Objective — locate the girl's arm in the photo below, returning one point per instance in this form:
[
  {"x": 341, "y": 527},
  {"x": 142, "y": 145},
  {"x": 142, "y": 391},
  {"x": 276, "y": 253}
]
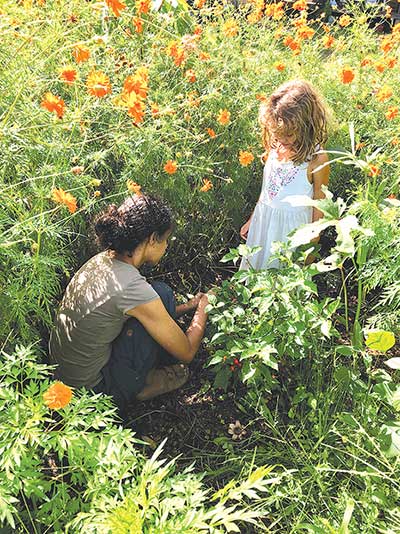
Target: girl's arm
[{"x": 320, "y": 177}]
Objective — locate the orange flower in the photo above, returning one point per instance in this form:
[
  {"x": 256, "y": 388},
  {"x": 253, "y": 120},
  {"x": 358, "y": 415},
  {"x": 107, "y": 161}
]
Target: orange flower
[
  {"x": 328, "y": 41},
  {"x": 300, "y": 5},
  {"x": 155, "y": 109},
  {"x": 68, "y": 74},
  {"x": 190, "y": 75},
  {"x": 211, "y": 132},
  {"x": 387, "y": 44},
  {"x": 360, "y": 145},
  {"x": 61, "y": 197},
  {"x": 135, "y": 83},
  {"x": 366, "y": 61},
  {"x": 276, "y": 11},
  {"x": 391, "y": 62},
  {"x": 199, "y": 3},
  {"x": 57, "y": 396},
  {"x": 207, "y": 185},
  {"x": 142, "y": 6},
  {"x": 98, "y": 84},
  {"x": 384, "y": 93},
  {"x": 116, "y": 6},
  {"x": 78, "y": 169},
  {"x": 136, "y": 107},
  {"x": 224, "y": 117},
  {"x": 344, "y": 21},
  {"x": 81, "y": 53},
  {"x": 230, "y": 28},
  {"x": 204, "y": 56},
  {"x": 171, "y": 166},
  {"x": 133, "y": 187},
  {"x": 245, "y": 158},
  {"x": 380, "y": 66},
  {"x": 138, "y": 23},
  {"x": 392, "y": 113},
  {"x": 292, "y": 44},
  {"x": 279, "y": 66},
  {"x": 374, "y": 170},
  {"x": 305, "y": 32},
  {"x": 395, "y": 141},
  {"x": 53, "y": 104},
  {"x": 346, "y": 75},
  {"x": 261, "y": 97}
]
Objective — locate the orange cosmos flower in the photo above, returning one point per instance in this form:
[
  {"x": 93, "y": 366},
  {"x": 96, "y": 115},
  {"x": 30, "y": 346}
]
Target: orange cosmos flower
[
  {"x": 380, "y": 66},
  {"x": 300, "y": 5},
  {"x": 98, "y": 84},
  {"x": 279, "y": 66},
  {"x": 261, "y": 97},
  {"x": 346, "y": 75},
  {"x": 305, "y": 32},
  {"x": 391, "y": 62},
  {"x": 344, "y": 21},
  {"x": 68, "y": 74},
  {"x": 204, "y": 56},
  {"x": 276, "y": 11},
  {"x": 328, "y": 41},
  {"x": 387, "y": 44},
  {"x": 155, "y": 109},
  {"x": 224, "y": 117},
  {"x": 142, "y": 6},
  {"x": 138, "y": 23},
  {"x": 230, "y": 28},
  {"x": 135, "y": 83},
  {"x": 116, "y": 6},
  {"x": 61, "y": 197},
  {"x": 384, "y": 93},
  {"x": 81, "y": 53},
  {"x": 360, "y": 145},
  {"x": 392, "y": 113},
  {"x": 53, "y": 104},
  {"x": 374, "y": 170},
  {"x": 133, "y": 187},
  {"x": 199, "y": 3},
  {"x": 57, "y": 396},
  {"x": 395, "y": 141},
  {"x": 207, "y": 185},
  {"x": 366, "y": 61},
  {"x": 171, "y": 166},
  {"x": 245, "y": 158},
  {"x": 190, "y": 75},
  {"x": 211, "y": 132}
]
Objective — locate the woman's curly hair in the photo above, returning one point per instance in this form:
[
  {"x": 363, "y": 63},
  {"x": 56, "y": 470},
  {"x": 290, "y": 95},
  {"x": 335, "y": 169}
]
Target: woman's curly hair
[
  {"x": 123, "y": 228},
  {"x": 296, "y": 110}
]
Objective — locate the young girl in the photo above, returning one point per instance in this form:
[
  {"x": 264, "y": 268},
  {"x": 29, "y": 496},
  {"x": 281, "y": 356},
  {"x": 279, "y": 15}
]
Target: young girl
[
  {"x": 294, "y": 129},
  {"x": 113, "y": 329}
]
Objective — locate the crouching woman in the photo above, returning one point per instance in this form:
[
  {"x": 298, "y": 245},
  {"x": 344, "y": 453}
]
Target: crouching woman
[{"x": 116, "y": 333}]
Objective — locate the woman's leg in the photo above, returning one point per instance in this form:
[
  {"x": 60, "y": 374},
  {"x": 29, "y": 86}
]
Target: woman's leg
[{"x": 134, "y": 354}]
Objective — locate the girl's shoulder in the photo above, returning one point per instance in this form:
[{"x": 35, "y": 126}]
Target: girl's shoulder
[{"x": 317, "y": 160}]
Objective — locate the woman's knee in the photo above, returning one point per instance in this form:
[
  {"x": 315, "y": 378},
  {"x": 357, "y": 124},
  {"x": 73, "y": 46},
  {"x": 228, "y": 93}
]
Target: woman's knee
[{"x": 166, "y": 295}]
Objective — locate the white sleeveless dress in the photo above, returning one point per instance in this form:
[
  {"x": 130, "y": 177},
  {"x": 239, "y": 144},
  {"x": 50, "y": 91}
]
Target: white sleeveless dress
[{"x": 273, "y": 219}]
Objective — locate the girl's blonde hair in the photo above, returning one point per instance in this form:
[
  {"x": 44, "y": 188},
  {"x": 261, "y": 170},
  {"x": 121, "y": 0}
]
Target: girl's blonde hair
[{"x": 295, "y": 110}]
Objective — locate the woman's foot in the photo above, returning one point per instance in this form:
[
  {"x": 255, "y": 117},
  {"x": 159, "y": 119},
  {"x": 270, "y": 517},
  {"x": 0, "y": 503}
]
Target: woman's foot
[{"x": 164, "y": 380}]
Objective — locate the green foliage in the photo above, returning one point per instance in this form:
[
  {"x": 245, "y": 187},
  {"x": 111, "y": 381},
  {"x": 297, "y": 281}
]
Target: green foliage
[{"x": 74, "y": 470}]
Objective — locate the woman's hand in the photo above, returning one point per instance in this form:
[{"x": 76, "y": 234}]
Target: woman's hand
[
  {"x": 194, "y": 302},
  {"x": 245, "y": 229}
]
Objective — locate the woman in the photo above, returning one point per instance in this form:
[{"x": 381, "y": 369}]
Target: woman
[{"x": 113, "y": 328}]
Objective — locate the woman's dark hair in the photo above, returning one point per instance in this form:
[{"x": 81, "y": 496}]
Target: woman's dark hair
[{"x": 123, "y": 228}]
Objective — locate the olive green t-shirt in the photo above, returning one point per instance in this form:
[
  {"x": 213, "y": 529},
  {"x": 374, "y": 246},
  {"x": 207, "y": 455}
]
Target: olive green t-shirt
[{"x": 92, "y": 314}]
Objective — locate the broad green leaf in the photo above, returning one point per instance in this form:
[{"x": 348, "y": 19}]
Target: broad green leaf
[{"x": 380, "y": 340}]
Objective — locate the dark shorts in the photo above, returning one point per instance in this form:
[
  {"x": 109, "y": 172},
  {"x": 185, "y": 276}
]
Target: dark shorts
[{"x": 134, "y": 353}]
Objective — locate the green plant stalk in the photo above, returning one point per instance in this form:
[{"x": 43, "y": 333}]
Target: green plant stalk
[{"x": 345, "y": 298}]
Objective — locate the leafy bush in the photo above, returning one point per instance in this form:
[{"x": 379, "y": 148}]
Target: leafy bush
[{"x": 72, "y": 469}]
